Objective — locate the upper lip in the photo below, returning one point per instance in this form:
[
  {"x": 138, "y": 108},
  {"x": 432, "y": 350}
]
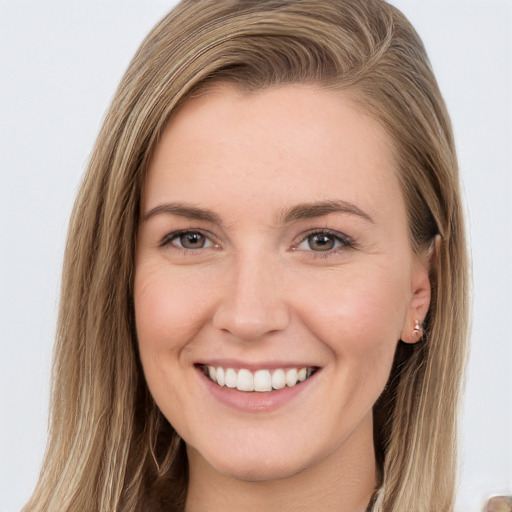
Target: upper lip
[{"x": 254, "y": 366}]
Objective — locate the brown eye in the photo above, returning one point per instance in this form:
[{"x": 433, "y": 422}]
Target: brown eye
[
  {"x": 324, "y": 241},
  {"x": 321, "y": 242},
  {"x": 188, "y": 241},
  {"x": 192, "y": 240}
]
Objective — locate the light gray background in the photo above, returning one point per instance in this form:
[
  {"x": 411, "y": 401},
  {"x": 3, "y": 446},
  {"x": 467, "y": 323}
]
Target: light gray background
[{"x": 60, "y": 63}]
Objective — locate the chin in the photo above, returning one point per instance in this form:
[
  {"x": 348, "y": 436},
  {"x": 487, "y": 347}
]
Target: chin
[
  {"x": 255, "y": 464},
  {"x": 259, "y": 471}
]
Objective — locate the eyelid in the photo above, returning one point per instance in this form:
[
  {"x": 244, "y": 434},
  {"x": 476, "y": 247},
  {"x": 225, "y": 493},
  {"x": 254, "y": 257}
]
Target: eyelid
[
  {"x": 167, "y": 240},
  {"x": 344, "y": 240}
]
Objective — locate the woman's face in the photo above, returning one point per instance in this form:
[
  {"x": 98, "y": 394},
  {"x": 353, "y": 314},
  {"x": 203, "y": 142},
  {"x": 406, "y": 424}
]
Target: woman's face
[{"x": 273, "y": 246}]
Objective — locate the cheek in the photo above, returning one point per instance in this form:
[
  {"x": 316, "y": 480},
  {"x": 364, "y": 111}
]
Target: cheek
[
  {"x": 167, "y": 318},
  {"x": 167, "y": 315},
  {"x": 359, "y": 316},
  {"x": 367, "y": 303},
  {"x": 169, "y": 312}
]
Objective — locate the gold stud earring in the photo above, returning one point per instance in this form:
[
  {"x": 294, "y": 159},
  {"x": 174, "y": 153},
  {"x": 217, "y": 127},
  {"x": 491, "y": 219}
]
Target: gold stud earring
[{"x": 418, "y": 331}]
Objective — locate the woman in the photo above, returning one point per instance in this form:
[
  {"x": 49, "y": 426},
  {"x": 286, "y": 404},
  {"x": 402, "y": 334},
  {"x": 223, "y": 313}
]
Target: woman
[{"x": 264, "y": 301}]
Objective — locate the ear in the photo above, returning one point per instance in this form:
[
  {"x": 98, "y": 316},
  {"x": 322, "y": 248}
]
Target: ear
[{"x": 419, "y": 302}]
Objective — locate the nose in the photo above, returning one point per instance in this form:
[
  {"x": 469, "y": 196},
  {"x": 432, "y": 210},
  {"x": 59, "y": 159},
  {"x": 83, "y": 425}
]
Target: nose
[{"x": 253, "y": 302}]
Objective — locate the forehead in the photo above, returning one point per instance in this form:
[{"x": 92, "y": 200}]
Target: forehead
[{"x": 291, "y": 143}]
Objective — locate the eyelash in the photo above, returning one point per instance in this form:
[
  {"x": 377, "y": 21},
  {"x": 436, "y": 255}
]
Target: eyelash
[
  {"x": 343, "y": 241},
  {"x": 168, "y": 240}
]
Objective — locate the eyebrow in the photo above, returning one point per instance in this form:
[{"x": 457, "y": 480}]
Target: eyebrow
[
  {"x": 298, "y": 212},
  {"x": 183, "y": 210},
  {"x": 319, "y": 209}
]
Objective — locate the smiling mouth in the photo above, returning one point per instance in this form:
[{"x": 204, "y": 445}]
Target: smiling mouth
[{"x": 262, "y": 381}]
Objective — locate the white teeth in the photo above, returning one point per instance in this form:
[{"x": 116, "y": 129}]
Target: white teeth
[
  {"x": 230, "y": 378},
  {"x": 220, "y": 376},
  {"x": 278, "y": 379},
  {"x": 245, "y": 381},
  {"x": 261, "y": 380},
  {"x": 291, "y": 377}
]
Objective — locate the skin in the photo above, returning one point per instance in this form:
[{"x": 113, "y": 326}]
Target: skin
[{"x": 259, "y": 290}]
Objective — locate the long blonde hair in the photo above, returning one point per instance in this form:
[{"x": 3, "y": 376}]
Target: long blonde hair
[{"x": 109, "y": 447}]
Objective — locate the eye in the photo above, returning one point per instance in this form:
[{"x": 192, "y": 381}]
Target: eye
[
  {"x": 323, "y": 241},
  {"x": 189, "y": 240}
]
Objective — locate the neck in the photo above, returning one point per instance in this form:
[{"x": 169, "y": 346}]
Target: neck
[{"x": 343, "y": 481}]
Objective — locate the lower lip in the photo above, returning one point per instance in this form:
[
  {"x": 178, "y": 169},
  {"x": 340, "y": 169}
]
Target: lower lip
[{"x": 254, "y": 401}]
